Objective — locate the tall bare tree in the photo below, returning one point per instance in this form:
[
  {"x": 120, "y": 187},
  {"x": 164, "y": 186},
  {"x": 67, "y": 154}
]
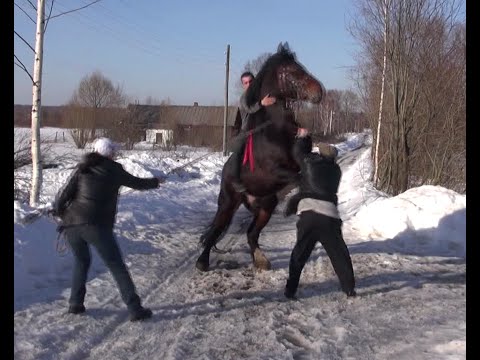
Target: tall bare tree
[
  {"x": 382, "y": 90},
  {"x": 438, "y": 147},
  {"x": 41, "y": 26},
  {"x": 37, "y": 105},
  {"x": 96, "y": 92}
]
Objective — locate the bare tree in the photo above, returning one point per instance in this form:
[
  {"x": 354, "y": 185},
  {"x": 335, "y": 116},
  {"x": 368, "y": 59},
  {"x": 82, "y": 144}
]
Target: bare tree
[
  {"x": 438, "y": 147},
  {"x": 96, "y": 91},
  {"x": 41, "y": 26},
  {"x": 78, "y": 120},
  {"x": 405, "y": 78},
  {"x": 382, "y": 90},
  {"x": 349, "y": 107},
  {"x": 127, "y": 126},
  {"x": 150, "y": 100},
  {"x": 22, "y": 156},
  {"x": 37, "y": 106}
]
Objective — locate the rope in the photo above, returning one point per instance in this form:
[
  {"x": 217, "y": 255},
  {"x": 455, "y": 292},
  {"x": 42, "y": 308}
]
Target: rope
[
  {"x": 172, "y": 171},
  {"x": 61, "y": 245},
  {"x": 188, "y": 163}
]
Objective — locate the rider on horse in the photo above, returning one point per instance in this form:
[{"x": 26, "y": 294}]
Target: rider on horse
[{"x": 239, "y": 143}]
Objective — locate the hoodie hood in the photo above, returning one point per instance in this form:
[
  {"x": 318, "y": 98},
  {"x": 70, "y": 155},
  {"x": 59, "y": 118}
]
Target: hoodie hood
[{"x": 92, "y": 159}]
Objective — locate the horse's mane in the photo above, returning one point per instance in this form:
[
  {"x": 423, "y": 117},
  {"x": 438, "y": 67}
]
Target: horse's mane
[{"x": 283, "y": 54}]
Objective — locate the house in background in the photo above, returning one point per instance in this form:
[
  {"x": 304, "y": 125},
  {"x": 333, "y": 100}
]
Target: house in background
[
  {"x": 161, "y": 137},
  {"x": 187, "y": 125},
  {"x": 165, "y": 125}
]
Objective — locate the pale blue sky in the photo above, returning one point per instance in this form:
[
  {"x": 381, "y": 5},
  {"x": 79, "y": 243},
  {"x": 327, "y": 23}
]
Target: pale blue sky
[{"x": 176, "y": 49}]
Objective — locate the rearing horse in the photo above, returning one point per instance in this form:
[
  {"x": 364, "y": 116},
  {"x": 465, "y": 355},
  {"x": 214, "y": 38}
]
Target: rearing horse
[{"x": 268, "y": 163}]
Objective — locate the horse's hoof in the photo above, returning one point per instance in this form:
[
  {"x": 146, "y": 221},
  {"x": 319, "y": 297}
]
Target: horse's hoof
[
  {"x": 263, "y": 265},
  {"x": 260, "y": 261},
  {"x": 201, "y": 266},
  {"x": 351, "y": 293}
]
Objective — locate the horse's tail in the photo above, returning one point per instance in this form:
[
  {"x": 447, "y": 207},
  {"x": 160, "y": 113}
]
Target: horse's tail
[
  {"x": 207, "y": 234},
  {"x": 204, "y": 235}
]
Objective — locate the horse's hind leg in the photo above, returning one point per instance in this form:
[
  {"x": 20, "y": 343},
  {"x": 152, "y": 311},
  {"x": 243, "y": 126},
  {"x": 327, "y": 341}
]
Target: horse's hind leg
[
  {"x": 227, "y": 205},
  {"x": 262, "y": 216}
]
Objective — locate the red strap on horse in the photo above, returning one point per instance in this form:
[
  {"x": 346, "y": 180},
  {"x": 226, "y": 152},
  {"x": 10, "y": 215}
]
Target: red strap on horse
[{"x": 248, "y": 153}]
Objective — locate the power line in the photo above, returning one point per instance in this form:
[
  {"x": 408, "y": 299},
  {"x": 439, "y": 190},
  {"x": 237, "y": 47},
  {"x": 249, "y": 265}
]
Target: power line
[
  {"x": 24, "y": 12},
  {"x": 141, "y": 32},
  {"x": 151, "y": 48}
]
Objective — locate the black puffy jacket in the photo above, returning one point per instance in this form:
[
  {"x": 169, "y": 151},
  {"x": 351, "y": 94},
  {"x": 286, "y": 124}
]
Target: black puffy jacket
[
  {"x": 320, "y": 175},
  {"x": 91, "y": 193}
]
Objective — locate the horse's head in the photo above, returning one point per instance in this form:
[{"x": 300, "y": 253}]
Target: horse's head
[{"x": 284, "y": 77}]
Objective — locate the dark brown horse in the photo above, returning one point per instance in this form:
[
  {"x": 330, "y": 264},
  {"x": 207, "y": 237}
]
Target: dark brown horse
[{"x": 270, "y": 166}]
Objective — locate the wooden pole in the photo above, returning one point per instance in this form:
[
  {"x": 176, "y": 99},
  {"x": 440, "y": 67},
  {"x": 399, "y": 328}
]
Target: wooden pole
[{"x": 225, "y": 114}]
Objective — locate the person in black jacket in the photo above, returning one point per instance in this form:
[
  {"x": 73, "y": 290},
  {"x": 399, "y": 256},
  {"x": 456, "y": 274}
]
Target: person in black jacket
[
  {"x": 87, "y": 206},
  {"x": 319, "y": 220}
]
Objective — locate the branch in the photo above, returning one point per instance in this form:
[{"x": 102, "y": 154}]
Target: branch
[
  {"x": 70, "y": 11},
  {"x": 24, "y": 12},
  {"x": 48, "y": 17},
  {"x": 25, "y": 41},
  {"x": 32, "y": 5},
  {"x": 22, "y": 66}
]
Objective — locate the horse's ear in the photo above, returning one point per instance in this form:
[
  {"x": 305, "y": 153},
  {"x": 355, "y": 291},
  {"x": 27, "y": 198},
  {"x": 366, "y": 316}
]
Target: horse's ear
[{"x": 283, "y": 47}]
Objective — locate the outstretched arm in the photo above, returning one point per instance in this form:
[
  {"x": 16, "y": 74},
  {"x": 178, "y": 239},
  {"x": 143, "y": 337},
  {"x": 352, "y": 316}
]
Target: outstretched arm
[{"x": 133, "y": 182}]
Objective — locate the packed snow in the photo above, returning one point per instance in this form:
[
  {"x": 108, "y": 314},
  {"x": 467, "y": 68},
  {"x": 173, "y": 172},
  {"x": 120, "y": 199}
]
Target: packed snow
[{"x": 408, "y": 254}]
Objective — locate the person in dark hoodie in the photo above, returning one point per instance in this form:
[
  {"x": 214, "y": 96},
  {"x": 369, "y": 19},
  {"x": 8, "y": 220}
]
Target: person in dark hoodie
[
  {"x": 87, "y": 206},
  {"x": 318, "y": 218}
]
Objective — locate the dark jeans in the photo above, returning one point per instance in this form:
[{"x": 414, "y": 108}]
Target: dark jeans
[
  {"x": 312, "y": 228},
  {"x": 237, "y": 146},
  {"x": 101, "y": 237}
]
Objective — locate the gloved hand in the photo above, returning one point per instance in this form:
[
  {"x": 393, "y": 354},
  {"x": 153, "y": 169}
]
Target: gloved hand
[
  {"x": 302, "y": 132},
  {"x": 292, "y": 204}
]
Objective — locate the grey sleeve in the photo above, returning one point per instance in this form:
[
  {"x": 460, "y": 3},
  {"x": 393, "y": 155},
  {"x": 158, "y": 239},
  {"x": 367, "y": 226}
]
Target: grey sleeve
[{"x": 249, "y": 109}]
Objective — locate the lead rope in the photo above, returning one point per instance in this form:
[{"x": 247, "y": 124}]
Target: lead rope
[{"x": 61, "y": 245}]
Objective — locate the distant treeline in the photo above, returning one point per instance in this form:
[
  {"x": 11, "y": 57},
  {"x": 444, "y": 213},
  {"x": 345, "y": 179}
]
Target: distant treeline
[{"x": 52, "y": 116}]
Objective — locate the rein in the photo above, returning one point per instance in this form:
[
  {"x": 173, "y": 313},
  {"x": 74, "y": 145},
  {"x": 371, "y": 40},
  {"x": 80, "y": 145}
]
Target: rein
[{"x": 248, "y": 153}]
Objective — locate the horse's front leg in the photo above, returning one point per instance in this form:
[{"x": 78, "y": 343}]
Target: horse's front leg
[{"x": 262, "y": 216}]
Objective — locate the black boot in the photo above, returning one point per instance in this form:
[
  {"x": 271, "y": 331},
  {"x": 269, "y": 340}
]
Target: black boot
[
  {"x": 76, "y": 309},
  {"x": 237, "y": 168},
  {"x": 351, "y": 293},
  {"x": 140, "y": 314},
  {"x": 291, "y": 289},
  {"x": 290, "y": 294}
]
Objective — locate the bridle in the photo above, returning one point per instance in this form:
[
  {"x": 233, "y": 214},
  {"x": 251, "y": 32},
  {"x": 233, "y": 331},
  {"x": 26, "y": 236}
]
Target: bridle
[{"x": 286, "y": 81}]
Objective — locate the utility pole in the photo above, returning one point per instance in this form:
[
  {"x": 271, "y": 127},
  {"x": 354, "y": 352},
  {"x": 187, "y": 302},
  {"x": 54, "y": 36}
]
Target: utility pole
[
  {"x": 225, "y": 114},
  {"x": 37, "y": 106}
]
